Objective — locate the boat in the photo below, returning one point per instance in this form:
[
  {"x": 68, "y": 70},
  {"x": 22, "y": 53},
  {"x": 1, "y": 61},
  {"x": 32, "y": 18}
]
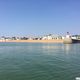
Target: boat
[{"x": 69, "y": 40}]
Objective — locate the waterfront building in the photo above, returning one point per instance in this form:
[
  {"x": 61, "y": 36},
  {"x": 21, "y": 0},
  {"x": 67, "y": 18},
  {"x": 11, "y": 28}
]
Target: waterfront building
[{"x": 51, "y": 37}]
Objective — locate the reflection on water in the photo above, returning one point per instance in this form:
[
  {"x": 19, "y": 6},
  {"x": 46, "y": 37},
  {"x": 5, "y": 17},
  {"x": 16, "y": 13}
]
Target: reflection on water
[
  {"x": 67, "y": 48},
  {"x": 50, "y": 47},
  {"x": 71, "y": 48}
]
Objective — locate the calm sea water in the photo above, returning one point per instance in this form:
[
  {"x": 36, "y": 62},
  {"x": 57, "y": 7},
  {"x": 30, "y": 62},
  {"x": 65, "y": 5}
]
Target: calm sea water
[{"x": 39, "y": 61}]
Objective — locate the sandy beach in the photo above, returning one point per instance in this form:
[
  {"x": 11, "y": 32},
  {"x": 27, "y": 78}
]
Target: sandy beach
[{"x": 34, "y": 41}]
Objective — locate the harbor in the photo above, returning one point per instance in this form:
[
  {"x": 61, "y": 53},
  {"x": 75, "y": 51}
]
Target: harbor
[{"x": 50, "y": 38}]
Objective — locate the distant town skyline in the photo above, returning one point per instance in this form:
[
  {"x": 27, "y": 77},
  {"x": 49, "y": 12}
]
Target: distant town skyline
[{"x": 39, "y": 17}]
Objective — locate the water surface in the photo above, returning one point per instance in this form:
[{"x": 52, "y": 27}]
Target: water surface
[{"x": 39, "y": 61}]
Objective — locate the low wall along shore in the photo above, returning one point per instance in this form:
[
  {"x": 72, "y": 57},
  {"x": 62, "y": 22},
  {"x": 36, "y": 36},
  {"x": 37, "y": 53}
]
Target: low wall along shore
[{"x": 34, "y": 41}]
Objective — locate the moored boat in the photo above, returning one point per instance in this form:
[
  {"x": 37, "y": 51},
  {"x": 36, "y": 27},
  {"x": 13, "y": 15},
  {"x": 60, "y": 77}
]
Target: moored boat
[{"x": 69, "y": 40}]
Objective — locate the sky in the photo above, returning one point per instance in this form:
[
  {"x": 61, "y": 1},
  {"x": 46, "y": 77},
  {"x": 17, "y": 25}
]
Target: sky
[{"x": 38, "y": 17}]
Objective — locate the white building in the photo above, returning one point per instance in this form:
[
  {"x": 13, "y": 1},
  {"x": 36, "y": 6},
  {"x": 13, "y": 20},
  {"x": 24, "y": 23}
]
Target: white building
[{"x": 51, "y": 36}]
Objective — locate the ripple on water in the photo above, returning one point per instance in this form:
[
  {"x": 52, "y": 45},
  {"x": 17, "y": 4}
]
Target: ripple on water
[{"x": 39, "y": 61}]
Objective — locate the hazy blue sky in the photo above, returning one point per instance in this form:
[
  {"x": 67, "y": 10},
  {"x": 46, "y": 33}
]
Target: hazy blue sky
[{"x": 22, "y": 17}]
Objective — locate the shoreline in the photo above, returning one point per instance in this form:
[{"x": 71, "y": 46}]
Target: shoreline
[{"x": 34, "y": 41}]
